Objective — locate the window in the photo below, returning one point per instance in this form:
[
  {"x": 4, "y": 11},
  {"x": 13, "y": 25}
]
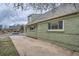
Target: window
[
  {"x": 56, "y": 26},
  {"x": 32, "y": 28}
]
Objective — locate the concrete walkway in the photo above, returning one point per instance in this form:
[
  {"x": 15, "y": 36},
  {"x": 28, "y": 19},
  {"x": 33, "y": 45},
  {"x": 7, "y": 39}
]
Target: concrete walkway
[{"x": 31, "y": 47}]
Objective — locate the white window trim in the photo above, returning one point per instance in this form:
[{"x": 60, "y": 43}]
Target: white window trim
[{"x": 57, "y": 29}]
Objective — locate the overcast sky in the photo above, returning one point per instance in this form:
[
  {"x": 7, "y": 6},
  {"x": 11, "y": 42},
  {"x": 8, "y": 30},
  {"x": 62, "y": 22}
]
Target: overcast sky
[{"x": 10, "y": 16}]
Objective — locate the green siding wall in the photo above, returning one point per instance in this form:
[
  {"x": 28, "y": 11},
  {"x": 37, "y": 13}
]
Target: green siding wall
[
  {"x": 72, "y": 25},
  {"x": 31, "y": 33},
  {"x": 69, "y": 38}
]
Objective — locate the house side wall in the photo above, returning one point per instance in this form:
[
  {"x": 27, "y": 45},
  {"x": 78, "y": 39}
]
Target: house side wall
[
  {"x": 72, "y": 25},
  {"x": 31, "y": 33},
  {"x": 69, "y": 38}
]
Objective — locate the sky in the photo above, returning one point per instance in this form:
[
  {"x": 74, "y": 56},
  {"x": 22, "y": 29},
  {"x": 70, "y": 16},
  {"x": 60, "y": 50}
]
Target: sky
[{"x": 11, "y": 16}]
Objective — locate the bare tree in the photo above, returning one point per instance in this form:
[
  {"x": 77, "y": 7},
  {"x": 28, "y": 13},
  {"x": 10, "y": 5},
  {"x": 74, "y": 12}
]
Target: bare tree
[
  {"x": 35, "y": 6},
  {"x": 76, "y": 5}
]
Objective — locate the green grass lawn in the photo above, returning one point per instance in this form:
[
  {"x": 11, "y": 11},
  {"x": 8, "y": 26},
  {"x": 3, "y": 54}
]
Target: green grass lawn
[{"x": 7, "y": 48}]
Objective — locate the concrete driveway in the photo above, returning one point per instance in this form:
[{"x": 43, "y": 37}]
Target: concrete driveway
[{"x": 31, "y": 47}]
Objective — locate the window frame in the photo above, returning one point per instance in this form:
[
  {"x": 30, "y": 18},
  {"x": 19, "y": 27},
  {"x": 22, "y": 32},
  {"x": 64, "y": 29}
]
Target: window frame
[{"x": 57, "y": 29}]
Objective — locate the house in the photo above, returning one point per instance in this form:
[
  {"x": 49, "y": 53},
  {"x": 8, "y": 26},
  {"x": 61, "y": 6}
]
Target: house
[
  {"x": 59, "y": 26},
  {"x": 16, "y": 28},
  {"x": 33, "y": 17}
]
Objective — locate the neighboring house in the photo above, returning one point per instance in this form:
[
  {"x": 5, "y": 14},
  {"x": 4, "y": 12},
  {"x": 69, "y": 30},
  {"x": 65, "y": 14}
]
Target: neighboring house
[
  {"x": 59, "y": 26},
  {"x": 16, "y": 28}
]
